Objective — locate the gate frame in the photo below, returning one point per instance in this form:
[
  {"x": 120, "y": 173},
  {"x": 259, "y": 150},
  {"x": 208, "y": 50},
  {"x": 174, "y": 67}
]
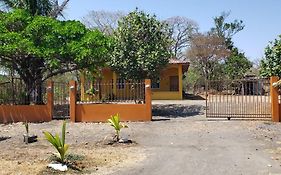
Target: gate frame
[{"x": 275, "y": 103}]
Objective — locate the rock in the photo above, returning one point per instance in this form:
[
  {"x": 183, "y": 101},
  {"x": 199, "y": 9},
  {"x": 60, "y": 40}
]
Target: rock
[
  {"x": 58, "y": 166},
  {"x": 269, "y": 165}
]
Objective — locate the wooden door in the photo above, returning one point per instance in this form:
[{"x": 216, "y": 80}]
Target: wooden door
[{"x": 174, "y": 83}]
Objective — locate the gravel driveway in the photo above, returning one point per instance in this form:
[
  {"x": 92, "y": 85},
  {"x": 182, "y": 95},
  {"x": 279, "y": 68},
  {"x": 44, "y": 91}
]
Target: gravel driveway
[{"x": 186, "y": 143}]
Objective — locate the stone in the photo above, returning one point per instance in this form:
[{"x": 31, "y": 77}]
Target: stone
[{"x": 58, "y": 166}]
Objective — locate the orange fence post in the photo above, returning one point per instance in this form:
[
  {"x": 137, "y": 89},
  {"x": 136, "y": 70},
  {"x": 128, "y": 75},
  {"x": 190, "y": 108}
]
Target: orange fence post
[
  {"x": 50, "y": 99},
  {"x": 148, "y": 99},
  {"x": 274, "y": 100},
  {"x": 72, "y": 96}
]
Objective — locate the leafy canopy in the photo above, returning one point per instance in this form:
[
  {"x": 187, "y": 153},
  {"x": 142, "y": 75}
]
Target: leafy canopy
[
  {"x": 38, "y": 47},
  {"x": 271, "y": 63},
  {"x": 141, "y": 46}
]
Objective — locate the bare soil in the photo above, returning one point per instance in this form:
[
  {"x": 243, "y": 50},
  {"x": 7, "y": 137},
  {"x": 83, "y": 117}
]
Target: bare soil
[{"x": 88, "y": 150}]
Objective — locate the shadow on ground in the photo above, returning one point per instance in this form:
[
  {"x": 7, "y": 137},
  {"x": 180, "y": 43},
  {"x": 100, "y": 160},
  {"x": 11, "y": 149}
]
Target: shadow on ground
[
  {"x": 176, "y": 110},
  {"x": 192, "y": 97},
  {"x": 4, "y": 138}
]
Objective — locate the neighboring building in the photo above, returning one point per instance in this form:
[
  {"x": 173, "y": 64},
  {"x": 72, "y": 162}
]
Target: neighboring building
[{"x": 169, "y": 86}]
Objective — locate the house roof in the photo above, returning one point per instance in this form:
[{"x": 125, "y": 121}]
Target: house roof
[
  {"x": 185, "y": 64},
  {"x": 176, "y": 61}
]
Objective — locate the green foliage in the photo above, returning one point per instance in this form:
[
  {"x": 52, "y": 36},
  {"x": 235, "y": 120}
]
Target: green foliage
[
  {"x": 58, "y": 143},
  {"x": 115, "y": 123},
  {"x": 271, "y": 63},
  {"x": 141, "y": 46},
  {"x": 227, "y": 29},
  {"x": 191, "y": 80},
  {"x": 236, "y": 65},
  {"x": 41, "y": 47}
]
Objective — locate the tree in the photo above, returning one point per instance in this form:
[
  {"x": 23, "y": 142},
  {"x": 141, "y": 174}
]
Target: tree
[
  {"x": 141, "y": 46},
  {"x": 225, "y": 29},
  {"x": 181, "y": 30},
  {"x": 50, "y": 8},
  {"x": 236, "y": 65},
  {"x": 206, "y": 52},
  {"x": 38, "y": 48},
  {"x": 105, "y": 21},
  {"x": 271, "y": 63}
]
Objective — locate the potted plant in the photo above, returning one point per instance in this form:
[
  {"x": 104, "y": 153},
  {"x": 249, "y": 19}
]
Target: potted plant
[{"x": 28, "y": 138}]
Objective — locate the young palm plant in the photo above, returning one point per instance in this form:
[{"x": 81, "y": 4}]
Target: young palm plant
[
  {"x": 58, "y": 143},
  {"x": 115, "y": 123}
]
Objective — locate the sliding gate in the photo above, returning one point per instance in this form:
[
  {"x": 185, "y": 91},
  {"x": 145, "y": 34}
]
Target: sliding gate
[{"x": 244, "y": 99}]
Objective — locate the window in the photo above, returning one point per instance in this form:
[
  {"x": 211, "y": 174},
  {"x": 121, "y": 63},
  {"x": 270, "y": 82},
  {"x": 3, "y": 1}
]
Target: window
[
  {"x": 155, "y": 84},
  {"x": 120, "y": 83}
]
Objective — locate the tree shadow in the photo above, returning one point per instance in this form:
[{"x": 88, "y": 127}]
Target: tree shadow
[
  {"x": 4, "y": 138},
  {"x": 192, "y": 97},
  {"x": 177, "y": 110}
]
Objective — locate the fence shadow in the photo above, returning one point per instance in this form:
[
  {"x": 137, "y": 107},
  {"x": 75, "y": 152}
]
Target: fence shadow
[{"x": 177, "y": 111}]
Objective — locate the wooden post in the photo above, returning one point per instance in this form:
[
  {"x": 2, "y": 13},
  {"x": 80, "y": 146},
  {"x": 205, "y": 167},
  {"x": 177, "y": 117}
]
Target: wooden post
[
  {"x": 148, "y": 104},
  {"x": 274, "y": 100},
  {"x": 180, "y": 80},
  {"x": 82, "y": 85},
  {"x": 72, "y": 96},
  {"x": 50, "y": 99}
]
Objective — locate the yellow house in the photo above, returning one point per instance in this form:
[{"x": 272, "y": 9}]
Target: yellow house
[{"x": 169, "y": 86}]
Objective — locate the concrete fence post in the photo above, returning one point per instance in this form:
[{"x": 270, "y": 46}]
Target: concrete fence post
[
  {"x": 275, "y": 112},
  {"x": 148, "y": 99},
  {"x": 50, "y": 99},
  {"x": 72, "y": 98}
]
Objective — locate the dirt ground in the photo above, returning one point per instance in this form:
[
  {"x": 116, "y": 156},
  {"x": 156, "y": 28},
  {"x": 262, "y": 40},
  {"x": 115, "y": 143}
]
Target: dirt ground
[
  {"x": 87, "y": 145},
  {"x": 178, "y": 141}
]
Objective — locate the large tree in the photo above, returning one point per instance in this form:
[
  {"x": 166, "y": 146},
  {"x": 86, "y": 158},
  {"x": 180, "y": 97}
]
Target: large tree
[
  {"x": 105, "y": 21},
  {"x": 141, "y": 46},
  {"x": 181, "y": 30},
  {"x": 236, "y": 65},
  {"x": 38, "y": 47},
  {"x": 51, "y": 8},
  {"x": 271, "y": 63},
  {"x": 206, "y": 52},
  {"x": 226, "y": 29}
]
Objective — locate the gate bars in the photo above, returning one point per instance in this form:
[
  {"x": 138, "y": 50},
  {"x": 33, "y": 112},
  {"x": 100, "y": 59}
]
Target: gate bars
[{"x": 241, "y": 98}]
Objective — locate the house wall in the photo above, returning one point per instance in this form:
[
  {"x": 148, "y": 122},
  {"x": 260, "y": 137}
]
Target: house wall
[{"x": 163, "y": 93}]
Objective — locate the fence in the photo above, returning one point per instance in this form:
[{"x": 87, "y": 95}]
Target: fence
[
  {"x": 90, "y": 108},
  {"x": 61, "y": 100},
  {"x": 244, "y": 98},
  {"x": 15, "y": 92},
  {"x": 16, "y": 110},
  {"x": 110, "y": 92}
]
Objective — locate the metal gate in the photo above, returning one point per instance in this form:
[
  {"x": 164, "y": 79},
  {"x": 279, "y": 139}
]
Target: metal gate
[
  {"x": 244, "y": 99},
  {"x": 61, "y": 100}
]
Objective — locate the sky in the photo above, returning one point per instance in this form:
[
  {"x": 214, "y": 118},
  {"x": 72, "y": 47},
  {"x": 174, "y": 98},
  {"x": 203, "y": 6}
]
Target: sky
[{"x": 262, "y": 18}]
